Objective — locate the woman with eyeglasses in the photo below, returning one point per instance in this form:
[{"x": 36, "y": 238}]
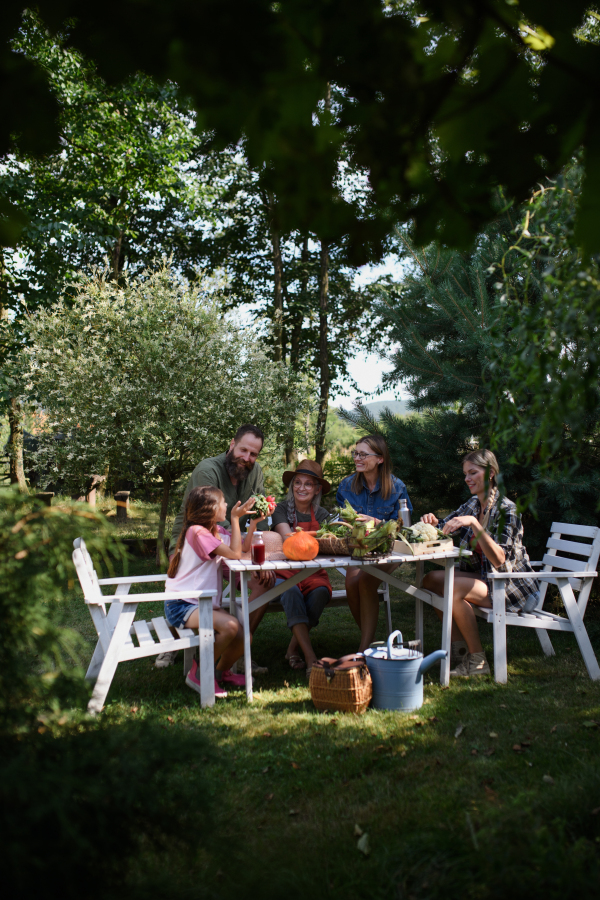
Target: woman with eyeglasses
[{"x": 375, "y": 494}]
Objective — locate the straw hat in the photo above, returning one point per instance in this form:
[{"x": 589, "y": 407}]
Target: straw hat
[{"x": 308, "y": 467}]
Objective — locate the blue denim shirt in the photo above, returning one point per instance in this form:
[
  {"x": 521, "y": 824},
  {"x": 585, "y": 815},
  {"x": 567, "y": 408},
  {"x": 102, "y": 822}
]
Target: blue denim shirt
[{"x": 371, "y": 503}]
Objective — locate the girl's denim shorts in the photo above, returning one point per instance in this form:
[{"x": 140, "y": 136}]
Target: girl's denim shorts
[{"x": 177, "y": 612}]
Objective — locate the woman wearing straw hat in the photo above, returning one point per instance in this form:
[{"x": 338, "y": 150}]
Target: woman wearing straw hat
[{"x": 304, "y": 603}]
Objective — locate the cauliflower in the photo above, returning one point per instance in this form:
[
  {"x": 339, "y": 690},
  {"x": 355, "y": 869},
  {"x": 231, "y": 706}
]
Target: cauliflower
[{"x": 424, "y": 532}]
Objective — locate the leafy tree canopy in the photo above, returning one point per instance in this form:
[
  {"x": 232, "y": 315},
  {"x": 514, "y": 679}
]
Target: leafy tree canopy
[
  {"x": 438, "y": 103},
  {"x": 545, "y": 391},
  {"x": 147, "y": 378},
  {"x": 120, "y": 187}
]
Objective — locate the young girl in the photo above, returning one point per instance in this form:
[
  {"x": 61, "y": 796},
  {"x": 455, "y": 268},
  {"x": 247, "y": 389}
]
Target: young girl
[{"x": 197, "y": 564}]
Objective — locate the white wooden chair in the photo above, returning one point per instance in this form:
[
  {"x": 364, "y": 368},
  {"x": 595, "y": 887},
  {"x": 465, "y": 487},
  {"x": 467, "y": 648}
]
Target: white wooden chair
[
  {"x": 117, "y": 629},
  {"x": 569, "y": 575}
]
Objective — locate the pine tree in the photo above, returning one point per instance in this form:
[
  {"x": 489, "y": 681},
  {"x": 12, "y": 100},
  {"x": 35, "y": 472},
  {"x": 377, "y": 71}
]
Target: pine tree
[{"x": 445, "y": 317}]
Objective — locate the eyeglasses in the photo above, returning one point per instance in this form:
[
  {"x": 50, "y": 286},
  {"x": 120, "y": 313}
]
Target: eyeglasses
[
  {"x": 361, "y": 456},
  {"x": 305, "y": 484}
]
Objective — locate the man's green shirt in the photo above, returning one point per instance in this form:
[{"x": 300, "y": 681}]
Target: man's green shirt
[{"x": 212, "y": 471}]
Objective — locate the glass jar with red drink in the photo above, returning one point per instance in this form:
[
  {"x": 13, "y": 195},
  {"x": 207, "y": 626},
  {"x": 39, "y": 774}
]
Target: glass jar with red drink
[{"x": 258, "y": 549}]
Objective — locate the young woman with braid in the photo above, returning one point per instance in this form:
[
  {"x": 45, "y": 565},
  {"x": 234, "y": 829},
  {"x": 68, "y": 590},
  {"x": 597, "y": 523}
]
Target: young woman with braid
[
  {"x": 490, "y": 526},
  {"x": 197, "y": 564}
]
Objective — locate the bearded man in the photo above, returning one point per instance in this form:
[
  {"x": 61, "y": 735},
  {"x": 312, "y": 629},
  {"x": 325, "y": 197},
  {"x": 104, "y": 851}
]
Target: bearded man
[
  {"x": 239, "y": 476},
  {"x": 236, "y": 473}
]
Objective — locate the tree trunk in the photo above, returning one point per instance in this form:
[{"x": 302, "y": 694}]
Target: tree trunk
[
  {"x": 15, "y": 444},
  {"x": 161, "y": 557},
  {"x": 278, "y": 281},
  {"x": 323, "y": 355},
  {"x": 291, "y": 454},
  {"x": 117, "y": 257}
]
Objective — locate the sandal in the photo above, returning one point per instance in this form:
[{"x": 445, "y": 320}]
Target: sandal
[{"x": 296, "y": 662}]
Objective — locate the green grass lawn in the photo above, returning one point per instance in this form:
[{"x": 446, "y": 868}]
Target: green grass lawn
[{"x": 488, "y": 789}]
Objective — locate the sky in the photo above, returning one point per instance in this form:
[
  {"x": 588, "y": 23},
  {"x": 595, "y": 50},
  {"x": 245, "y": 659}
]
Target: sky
[{"x": 368, "y": 369}]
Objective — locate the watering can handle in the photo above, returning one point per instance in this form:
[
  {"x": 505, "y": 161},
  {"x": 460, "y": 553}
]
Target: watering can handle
[{"x": 390, "y": 642}]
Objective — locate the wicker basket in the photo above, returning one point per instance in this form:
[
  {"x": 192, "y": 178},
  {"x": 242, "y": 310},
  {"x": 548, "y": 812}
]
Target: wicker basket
[
  {"x": 342, "y": 684},
  {"x": 334, "y": 546}
]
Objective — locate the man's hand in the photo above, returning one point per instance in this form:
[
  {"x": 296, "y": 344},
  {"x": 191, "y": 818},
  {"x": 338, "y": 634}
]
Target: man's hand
[{"x": 266, "y": 578}]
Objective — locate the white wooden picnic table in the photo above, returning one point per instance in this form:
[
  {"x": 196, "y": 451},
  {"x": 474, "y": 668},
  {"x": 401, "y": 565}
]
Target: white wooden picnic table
[{"x": 446, "y": 558}]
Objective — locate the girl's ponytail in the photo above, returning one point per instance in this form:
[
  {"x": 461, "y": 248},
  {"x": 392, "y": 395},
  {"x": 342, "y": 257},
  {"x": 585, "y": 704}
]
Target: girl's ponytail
[{"x": 200, "y": 509}]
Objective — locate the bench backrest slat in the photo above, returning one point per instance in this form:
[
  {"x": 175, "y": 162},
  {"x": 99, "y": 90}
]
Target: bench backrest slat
[{"x": 587, "y": 548}]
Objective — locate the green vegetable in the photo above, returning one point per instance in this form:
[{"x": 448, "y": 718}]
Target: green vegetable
[
  {"x": 380, "y": 540},
  {"x": 261, "y": 506},
  {"x": 347, "y": 513},
  {"x": 412, "y": 537},
  {"x": 333, "y": 530}
]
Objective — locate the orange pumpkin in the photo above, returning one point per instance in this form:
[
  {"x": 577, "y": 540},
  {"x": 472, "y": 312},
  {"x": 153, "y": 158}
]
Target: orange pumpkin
[{"x": 300, "y": 546}]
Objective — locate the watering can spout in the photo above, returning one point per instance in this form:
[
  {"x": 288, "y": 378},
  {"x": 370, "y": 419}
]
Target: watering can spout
[{"x": 431, "y": 659}]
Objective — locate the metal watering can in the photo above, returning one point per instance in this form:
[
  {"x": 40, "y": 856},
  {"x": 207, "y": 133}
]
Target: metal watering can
[{"x": 397, "y": 674}]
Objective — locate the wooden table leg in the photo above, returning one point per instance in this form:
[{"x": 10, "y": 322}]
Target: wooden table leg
[
  {"x": 206, "y": 652},
  {"x": 420, "y": 567},
  {"x": 246, "y": 624},
  {"x": 447, "y": 620}
]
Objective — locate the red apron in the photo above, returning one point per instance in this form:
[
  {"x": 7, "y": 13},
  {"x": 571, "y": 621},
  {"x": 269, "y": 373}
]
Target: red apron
[{"x": 318, "y": 578}]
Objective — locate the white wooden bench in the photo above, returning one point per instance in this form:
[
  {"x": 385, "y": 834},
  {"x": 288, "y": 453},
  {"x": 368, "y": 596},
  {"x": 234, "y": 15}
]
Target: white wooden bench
[
  {"x": 121, "y": 638},
  {"x": 569, "y": 575}
]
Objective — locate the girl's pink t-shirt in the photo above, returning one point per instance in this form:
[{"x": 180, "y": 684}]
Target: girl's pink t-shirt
[{"x": 199, "y": 568}]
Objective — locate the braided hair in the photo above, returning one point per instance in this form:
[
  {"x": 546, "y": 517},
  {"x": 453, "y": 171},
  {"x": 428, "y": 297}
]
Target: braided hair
[{"x": 485, "y": 459}]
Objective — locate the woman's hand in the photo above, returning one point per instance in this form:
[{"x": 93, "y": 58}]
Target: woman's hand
[
  {"x": 361, "y": 517},
  {"x": 460, "y": 522},
  {"x": 242, "y": 509},
  {"x": 429, "y": 519}
]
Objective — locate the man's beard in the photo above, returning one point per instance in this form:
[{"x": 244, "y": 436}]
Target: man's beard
[{"x": 237, "y": 468}]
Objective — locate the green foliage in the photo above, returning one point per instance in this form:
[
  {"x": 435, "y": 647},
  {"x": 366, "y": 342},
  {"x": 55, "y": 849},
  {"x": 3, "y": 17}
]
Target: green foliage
[
  {"x": 147, "y": 379},
  {"x": 455, "y": 349},
  {"x": 119, "y": 187},
  {"x": 545, "y": 393},
  {"x": 340, "y": 434},
  {"x": 435, "y": 108},
  {"x": 39, "y": 658},
  {"x": 77, "y": 808},
  {"x": 242, "y": 235},
  {"x": 77, "y": 801}
]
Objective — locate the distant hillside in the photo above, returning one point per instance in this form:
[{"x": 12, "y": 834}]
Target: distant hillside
[{"x": 398, "y": 407}]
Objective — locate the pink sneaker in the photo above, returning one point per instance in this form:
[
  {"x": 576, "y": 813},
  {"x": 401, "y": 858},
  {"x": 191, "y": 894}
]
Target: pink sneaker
[
  {"x": 192, "y": 680},
  {"x": 235, "y": 680}
]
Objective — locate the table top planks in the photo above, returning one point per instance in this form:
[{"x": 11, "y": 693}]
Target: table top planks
[{"x": 332, "y": 562}]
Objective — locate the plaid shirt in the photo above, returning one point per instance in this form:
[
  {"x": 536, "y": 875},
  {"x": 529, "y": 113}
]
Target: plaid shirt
[{"x": 510, "y": 539}]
